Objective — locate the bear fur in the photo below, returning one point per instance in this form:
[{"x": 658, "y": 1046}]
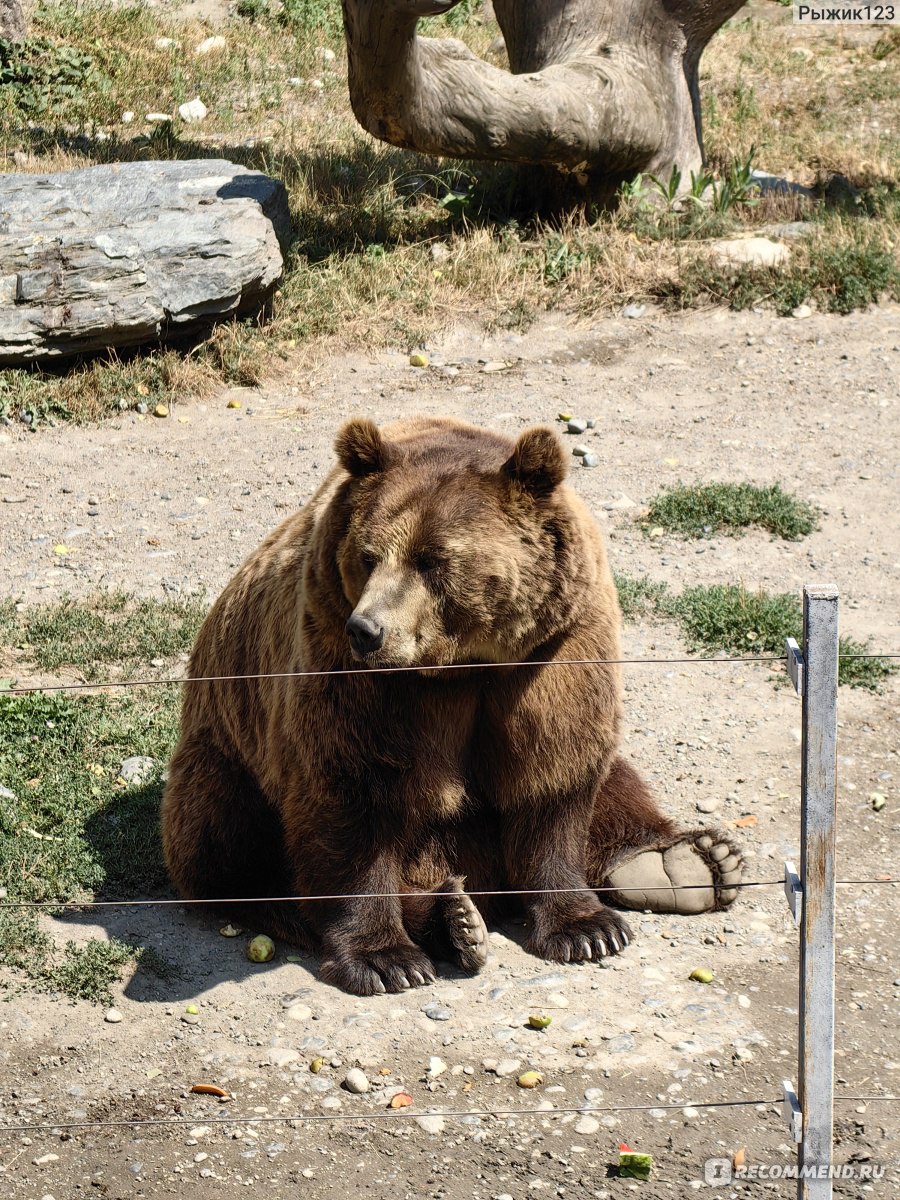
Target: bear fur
[{"x": 432, "y": 543}]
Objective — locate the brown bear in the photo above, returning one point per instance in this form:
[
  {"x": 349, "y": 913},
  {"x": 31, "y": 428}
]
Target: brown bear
[{"x": 337, "y": 758}]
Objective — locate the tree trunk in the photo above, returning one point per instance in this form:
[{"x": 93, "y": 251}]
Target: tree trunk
[
  {"x": 12, "y": 20},
  {"x": 597, "y": 89}
]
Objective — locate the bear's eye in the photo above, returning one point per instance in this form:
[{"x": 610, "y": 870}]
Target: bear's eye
[
  {"x": 368, "y": 560},
  {"x": 428, "y": 562}
]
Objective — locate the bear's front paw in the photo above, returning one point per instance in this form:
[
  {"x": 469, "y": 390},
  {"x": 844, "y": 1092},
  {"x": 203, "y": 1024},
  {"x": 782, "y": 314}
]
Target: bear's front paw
[
  {"x": 598, "y": 935},
  {"x": 393, "y": 969}
]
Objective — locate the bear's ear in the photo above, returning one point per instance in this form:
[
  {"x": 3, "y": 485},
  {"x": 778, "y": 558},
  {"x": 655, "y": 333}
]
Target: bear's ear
[
  {"x": 360, "y": 447},
  {"x": 538, "y": 462}
]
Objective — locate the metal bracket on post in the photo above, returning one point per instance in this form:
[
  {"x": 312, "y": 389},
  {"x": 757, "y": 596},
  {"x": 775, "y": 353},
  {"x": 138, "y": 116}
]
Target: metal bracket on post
[
  {"x": 795, "y": 665},
  {"x": 790, "y": 1106},
  {"x": 793, "y": 889}
]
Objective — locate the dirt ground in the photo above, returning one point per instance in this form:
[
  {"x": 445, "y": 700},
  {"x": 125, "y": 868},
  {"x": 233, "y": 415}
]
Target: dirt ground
[{"x": 169, "y": 506}]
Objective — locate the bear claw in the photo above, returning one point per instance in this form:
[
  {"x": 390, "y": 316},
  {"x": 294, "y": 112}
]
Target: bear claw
[
  {"x": 467, "y": 932},
  {"x": 586, "y": 939},
  {"x": 393, "y": 969}
]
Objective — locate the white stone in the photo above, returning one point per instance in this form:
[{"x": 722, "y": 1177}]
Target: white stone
[
  {"x": 586, "y": 1125},
  {"x": 193, "y": 110},
  {"x": 112, "y": 1016},
  {"x": 211, "y": 45},
  {"x": 507, "y": 1067},
  {"x": 431, "y": 1122},
  {"x": 157, "y": 118},
  {"x": 127, "y": 117},
  {"x": 299, "y": 1012},
  {"x": 45, "y": 1158},
  {"x": 752, "y": 251},
  {"x": 356, "y": 1081},
  {"x": 325, "y": 54},
  {"x": 436, "y": 1066},
  {"x": 281, "y": 1056},
  {"x": 801, "y": 312},
  {"x": 166, "y": 43}
]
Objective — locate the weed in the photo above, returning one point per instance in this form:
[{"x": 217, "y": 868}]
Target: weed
[
  {"x": 700, "y": 511},
  {"x": 639, "y": 597},
  {"x": 114, "y": 629}
]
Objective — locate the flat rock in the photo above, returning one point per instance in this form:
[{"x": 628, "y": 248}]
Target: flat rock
[
  {"x": 752, "y": 251},
  {"x": 125, "y": 253}
]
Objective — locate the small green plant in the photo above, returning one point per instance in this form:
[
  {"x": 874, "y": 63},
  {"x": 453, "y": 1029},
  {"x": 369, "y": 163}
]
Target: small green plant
[
  {"x": 561, "y": 259},
  {"x": 639, "y": 597},
  {"x": 703, "y": 510},
  {"x": 45, "y": 78},
  {"x": 728, "y": 619}
]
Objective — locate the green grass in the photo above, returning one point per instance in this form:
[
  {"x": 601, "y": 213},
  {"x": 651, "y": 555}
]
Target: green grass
[
  {"x": 113, "y": 630},
  {"x": 703, "y": 510},
  {"x": 70, "y": 828},
  {"x": 728, "y": 619}
]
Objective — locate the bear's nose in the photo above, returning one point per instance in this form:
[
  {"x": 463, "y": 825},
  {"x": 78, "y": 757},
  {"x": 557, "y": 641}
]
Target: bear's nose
[{"x": 366, "y": 636}]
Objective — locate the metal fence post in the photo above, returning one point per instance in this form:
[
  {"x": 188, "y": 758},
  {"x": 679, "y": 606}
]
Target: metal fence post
[{"x": 818, "y": 797}]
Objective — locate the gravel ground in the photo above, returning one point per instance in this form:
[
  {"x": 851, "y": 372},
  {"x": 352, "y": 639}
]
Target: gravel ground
[{"x": 170, "y": 506}]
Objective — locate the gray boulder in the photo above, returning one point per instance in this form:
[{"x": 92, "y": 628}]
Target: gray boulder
[{"x": 126, "y": 253}]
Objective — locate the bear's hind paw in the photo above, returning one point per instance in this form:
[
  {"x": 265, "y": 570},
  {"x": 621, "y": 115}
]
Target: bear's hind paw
[{"x": 705, "y": 863}]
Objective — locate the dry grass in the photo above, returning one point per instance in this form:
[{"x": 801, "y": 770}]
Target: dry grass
[{"x": 366, "y": 217}]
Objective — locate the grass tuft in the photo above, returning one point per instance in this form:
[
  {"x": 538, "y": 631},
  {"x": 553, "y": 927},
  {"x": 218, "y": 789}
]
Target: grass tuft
[
  {"x": 112, "y": 630},
  {"x": 702, "y": 510}
]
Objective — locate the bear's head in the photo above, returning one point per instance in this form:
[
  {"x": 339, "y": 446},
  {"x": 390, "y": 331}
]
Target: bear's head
[{"x": 458, "y": 544}]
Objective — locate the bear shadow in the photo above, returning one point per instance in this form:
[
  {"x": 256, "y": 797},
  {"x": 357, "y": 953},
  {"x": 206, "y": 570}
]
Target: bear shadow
[{"x": 182, "y": 954}]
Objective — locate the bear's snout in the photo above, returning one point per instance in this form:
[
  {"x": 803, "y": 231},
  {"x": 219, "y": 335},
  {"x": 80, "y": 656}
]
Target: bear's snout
[{"x": 366, "y": 636}]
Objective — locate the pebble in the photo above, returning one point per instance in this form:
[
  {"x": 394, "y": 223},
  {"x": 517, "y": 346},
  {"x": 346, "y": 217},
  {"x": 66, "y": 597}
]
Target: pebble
[
  {"x": 507, "y": 1067},
  {"x": 580, "y": 450},
  {"x": 7, "y": 794},
  {"x": 708, "y": 806},
  {"x": 436, "y": 1012},
  {"x": 135, "y": 1167},
  {"x": 193, "y": 110},
  {"x": 633, "y": 311},
  {"x": 112, "y": 1016},
  {"x": 801, "y": 312},
  {"x": 299, "y": 1012},
  {"x": 591, "y": 460},
  {"x": 436, "y": 1066},
  {"x": 576, "y": 425},
  {"x": 586, "y": 1125},
  {"x": 431, "y": 1122},
  {"x": 211, "y": 45},
  {"x": 281, "y": 1056},
  {"x": 356, "y": 1081},
  {"x": 165, "y": 43},
  {"x": 137, "y": 769},
  {"x": 45, "y": 1158},
  {"x": 623, "y": 1044}
]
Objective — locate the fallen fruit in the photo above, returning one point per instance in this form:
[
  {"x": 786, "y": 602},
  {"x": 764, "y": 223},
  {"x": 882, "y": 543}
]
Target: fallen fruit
[
  {"x": 160, "y": 411},
  {"x": 192, "y": 1009},
  {"x": 401, "y": 1100},
  {"x": 530, "y": 1079},
  {"x": 231, "y": 931},
  {"x": 633, "y": 1165},
  {"x": 702, "y": 975},
  {"x": 539, "y": 1022},
  {"x": 739, "y": 1157},
  {"x": 210, "y": 1089},
  {"x": 878, "y": 800},
  {"x": 745, "y": 822},
  {"x": 316, "y": 1065},
  {"x": 565, "y": 416},
  {"x": 418, "y": 360},
  {"x": 261, "y": 949}
]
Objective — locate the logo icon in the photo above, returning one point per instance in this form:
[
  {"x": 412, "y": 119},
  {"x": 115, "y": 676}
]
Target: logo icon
[{"x": 717, "y": 1171}]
